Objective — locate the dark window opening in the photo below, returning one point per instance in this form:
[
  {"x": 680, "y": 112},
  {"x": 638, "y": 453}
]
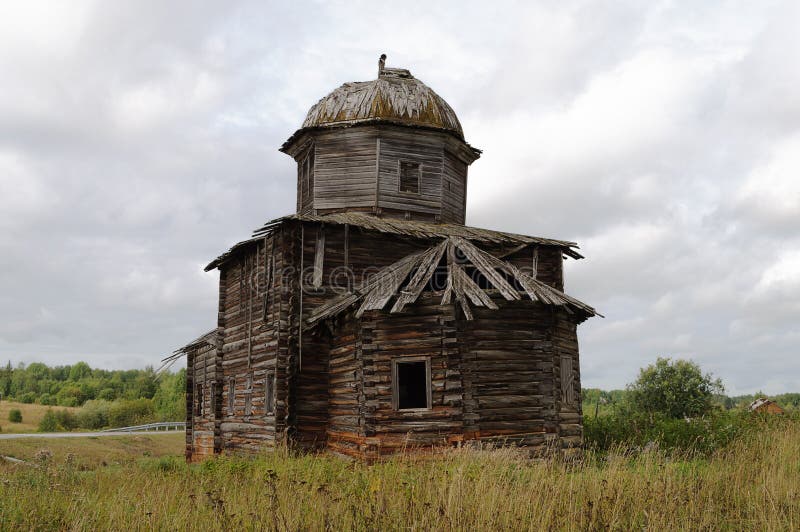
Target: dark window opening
[
  {"x": 198, "y": 400},
  {"x": 409, "y": 177},
  {"x": 248, "y": 398},
  {"x": 412, "y": 385},
  {"x": 269, "y": 393},
  {"x": 231, "y": 392}
]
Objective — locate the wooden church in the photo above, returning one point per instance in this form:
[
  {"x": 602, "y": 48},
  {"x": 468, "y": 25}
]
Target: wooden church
[{"x": 373, "y": 320}]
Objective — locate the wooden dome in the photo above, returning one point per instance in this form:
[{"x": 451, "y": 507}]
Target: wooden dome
[{"x": 395, "y": 97}]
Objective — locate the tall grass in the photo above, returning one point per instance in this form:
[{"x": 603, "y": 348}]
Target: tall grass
[{"x": 753, "y": 484}]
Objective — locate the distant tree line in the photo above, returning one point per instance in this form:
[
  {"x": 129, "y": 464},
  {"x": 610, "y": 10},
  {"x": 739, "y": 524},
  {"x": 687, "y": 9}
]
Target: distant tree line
[
  {"x": 674, "y": 405},
  {"x": 108, "y": 398},
  {"x": 605, "y": 401}
]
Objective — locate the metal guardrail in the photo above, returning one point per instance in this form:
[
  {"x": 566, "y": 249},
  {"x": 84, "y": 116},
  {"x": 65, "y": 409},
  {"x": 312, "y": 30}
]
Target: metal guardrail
[{"x": 152, "y": 427}]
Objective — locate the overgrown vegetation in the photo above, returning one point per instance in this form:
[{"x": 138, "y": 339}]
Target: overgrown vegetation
[
  {"x": 749, "y": 485},
  {"x": 672, "y": 406},
  {"x": 15, "y": 415},
  {"x": 108, "y": 398}
]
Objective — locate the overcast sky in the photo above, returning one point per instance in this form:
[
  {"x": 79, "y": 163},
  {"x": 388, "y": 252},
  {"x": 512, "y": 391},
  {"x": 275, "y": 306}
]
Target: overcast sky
[{"x": 139, "y": 139}]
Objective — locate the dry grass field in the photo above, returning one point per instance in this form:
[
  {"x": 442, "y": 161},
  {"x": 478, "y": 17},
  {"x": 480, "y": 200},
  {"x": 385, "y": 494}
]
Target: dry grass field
[
  {"x": 754, "y": 484},
  {"x": 87, "y": 453},
  {"x": 31, "y": 415}
]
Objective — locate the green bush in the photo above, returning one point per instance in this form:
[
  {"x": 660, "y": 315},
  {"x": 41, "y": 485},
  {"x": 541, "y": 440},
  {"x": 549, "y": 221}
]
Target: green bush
[
  {"x": 14, "y": 415},
  {"x": 28, "y": 398},
  {"x": 66, "y": 420},
  {"x": 47, "y": 399},
  {"x": 131, "y": 412},
  {"x": 49, "y": 422},
  {"x": 58, "y": 421},
  {"x": 675, "y": 389},
  {"x": 107, "y": 394},
  {"x": 94, "y": 414}
]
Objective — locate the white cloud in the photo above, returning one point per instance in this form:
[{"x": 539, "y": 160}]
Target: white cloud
[
  {"x": 771, "y": 193},
  {"x": 139, "y": 140}
]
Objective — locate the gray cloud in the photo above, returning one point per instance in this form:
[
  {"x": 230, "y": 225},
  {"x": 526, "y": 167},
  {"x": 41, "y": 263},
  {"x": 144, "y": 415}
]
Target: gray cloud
[{"x": 139, "y": 140}]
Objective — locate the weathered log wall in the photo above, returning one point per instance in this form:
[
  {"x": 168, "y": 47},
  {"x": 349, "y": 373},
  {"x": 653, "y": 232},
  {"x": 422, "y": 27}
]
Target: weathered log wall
[
  {"x": 311, "y": 417},
  {"x": 345, "y": 413},
  {"x": 508, "y": 369},
  {"x": 190, "y": 399},
  {"x": 254, "y": 324},
  {"x": 497, "y": 377},
  {"x": 202, "y": 401},
  {"x": 547, "y": 261},
  {"x": 568, "y": 381},
  {"x": 426, "y": 330}
]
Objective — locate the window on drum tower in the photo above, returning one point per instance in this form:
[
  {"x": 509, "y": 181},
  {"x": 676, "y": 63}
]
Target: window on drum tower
[{"x": 409, "y": 177}]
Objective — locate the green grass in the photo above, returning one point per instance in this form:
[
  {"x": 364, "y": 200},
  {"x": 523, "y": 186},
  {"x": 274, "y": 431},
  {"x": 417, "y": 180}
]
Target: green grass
[{"x": 753, "y": 484}]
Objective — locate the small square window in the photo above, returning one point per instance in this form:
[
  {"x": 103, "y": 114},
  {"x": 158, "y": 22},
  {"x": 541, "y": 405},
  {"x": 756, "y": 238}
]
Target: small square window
[
  {"x": 409, "y": 177},
  {"x": 412, "y": 384}
]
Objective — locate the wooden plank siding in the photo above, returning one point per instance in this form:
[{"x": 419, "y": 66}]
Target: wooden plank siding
[
  {"x": 549, "y": 264},
  {"x": 454, "y": 189},
  {"x": 254, "y": 323},
  {"x": 345, "y": 168},
  {"x": 496, "y": 377},
  {"x": 423, "y": 329},
  {"x": 357, "y": 169},
  {"x": 570, "y": 415},
  {"x": 417, "y": 147},
  {"x": 202, "y": 371},
  {"x": 508, "y": 354}
]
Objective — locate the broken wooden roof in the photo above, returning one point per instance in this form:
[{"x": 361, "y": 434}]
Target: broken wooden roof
[
  {"x": 209, "y": 338},
  {"x": 395, "y": 97},
  {"x": 404, "y": 281},
  {"x": 410, "y": 228}
]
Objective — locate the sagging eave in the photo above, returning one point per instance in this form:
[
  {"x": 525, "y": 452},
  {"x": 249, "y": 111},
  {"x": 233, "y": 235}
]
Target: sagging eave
[
  {"x": 235, "y": 249},
  {"x": 385, "y": 286},
  {"x": 467, "y": 153},
  {"x": 416, "y": 229},
  {"x": 208, "y": 338}
]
